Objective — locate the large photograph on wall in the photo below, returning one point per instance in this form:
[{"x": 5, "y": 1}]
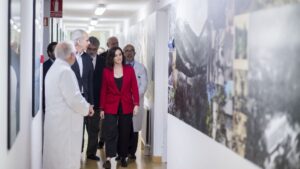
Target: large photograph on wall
[
  {"x": 234, "y": 75},
  {"x": 14, "y": 41}
]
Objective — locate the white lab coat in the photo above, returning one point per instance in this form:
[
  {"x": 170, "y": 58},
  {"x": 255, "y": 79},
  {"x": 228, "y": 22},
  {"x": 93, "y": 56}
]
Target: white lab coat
[
  {"x": 142, "y": 80},
  {"x": 65, "y": 108}
]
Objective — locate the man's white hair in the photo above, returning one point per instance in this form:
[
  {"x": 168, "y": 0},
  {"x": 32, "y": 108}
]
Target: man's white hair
[
  {"x": 77, "y": 35},
  {"x": 64, "y": 49}
]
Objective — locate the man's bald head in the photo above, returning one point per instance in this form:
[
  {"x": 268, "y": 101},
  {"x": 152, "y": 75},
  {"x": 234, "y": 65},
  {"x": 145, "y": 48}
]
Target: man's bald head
[
  {"x": 66, "y": 51},
  {"x": 112, "y": 42}
]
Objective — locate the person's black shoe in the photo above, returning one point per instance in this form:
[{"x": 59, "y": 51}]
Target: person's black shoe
[
  {"x": 118, "y": 158},
  {"x": 100, "y": 144},
  {"x": 93, "y": 157},
  {"x": 123, "y": 162},
  {"x": 132, "y": 156},
  {"x": 107, "y": 164}
]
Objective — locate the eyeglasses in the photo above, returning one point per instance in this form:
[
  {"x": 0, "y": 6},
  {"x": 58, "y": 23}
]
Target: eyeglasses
[
  {"x": 92, "y": 49},
  {"x": 129, "y": 50}
]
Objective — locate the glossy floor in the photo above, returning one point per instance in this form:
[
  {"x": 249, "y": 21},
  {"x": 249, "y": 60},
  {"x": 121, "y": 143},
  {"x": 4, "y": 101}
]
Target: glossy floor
[{"x": 142, "y": 161}]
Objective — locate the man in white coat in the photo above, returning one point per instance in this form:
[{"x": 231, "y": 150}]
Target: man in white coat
[
  {"x": 65, "y": 108},
  {"x": 141, "y": 76}
]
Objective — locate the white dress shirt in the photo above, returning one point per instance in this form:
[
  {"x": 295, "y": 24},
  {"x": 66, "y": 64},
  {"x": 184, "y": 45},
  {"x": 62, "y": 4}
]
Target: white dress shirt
[
  {"x": 94, "y": 60},
  {"x": 79, "y": 61}
]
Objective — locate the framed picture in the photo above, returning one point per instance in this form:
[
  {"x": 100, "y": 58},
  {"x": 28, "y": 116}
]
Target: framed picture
[
  {"x": 14, "y": 41},
  {"x": 36, "y": 52}
]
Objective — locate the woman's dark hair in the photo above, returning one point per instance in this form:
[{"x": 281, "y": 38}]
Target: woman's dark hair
[
  {"x": 51, "y": 47},
  {"x": 111, "y": 55}
]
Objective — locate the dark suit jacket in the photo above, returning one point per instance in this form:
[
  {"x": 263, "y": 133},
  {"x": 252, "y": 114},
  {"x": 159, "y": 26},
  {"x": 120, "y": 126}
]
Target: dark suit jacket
[
  {"x": 111, "y": 96},
  {"x": 86, "y": 81},
  {"x": 46, "y": 67},
  {"x": 100, "y": 65}
]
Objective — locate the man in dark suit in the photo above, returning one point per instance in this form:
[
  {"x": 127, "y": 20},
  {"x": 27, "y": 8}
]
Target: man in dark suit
[
  {"x": 47, "y": 65},
  {"x": 99, "y": 66},
  {"x": 92, "y": 50},
  {"x": 83, "y": 68}
]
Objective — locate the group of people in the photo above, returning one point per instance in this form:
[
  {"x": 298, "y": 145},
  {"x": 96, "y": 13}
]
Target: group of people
[{"x": 102, "y": 93}]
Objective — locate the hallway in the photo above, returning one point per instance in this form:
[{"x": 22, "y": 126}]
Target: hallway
[{"x": 223, "y": 81}]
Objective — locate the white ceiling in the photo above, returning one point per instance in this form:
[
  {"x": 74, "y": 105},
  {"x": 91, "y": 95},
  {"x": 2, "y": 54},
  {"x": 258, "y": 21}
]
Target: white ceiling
[{"x": 78, "y": 13}]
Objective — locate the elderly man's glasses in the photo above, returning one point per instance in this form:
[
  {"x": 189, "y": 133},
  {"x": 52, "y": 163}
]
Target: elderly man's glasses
[{"x": 129, "y": 50}]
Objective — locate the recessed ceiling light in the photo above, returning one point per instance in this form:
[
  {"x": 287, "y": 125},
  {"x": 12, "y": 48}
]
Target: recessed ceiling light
[
  {"x": 94, "y": 21},
  {"x": 91, "y": 28},
  {"x": 100, "y": 9}
]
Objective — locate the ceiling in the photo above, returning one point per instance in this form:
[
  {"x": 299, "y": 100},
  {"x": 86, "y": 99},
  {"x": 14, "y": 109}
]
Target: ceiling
[{"x": 77, "y": 14}]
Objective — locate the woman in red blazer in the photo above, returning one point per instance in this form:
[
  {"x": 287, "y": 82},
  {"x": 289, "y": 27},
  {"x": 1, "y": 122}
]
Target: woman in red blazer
[{"x": 119, "y": 100}]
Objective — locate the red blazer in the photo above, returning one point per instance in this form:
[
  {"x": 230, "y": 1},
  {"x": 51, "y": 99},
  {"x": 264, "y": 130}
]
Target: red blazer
[{"x": 111, "y": 96}]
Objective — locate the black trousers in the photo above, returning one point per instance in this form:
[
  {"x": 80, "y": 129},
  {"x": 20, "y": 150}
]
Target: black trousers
[
  {"x": 101, "y": 133},
  {"x": 134, "y": 137},
  {"x": 92, "y": 127},
  {"x": 117, "y": 130}
]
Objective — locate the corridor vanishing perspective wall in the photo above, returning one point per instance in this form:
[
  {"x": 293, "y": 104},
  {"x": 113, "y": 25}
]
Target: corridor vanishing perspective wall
[
  {"x": 142, "y": 36},
  {"x": 234, "y": 75}
]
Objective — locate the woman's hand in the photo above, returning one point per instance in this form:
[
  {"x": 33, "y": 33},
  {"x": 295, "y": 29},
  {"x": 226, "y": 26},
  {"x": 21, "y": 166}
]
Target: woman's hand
[
  {"x": 135, "y": 110},
  {"x": 102, "y": 114},
  {"x": 91, "y": 111}
]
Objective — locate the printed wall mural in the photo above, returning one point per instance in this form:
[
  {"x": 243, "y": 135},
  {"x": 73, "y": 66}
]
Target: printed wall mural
[{"x": 234, "y": 75}]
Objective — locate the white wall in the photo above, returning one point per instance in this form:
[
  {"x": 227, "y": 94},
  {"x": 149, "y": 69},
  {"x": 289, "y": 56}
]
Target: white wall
[
  {"x": 19, "y": 155},
  {"x": 189, "y": 148},
  {"x": 26, "y": 150},
  {"x": 3, "y": 85},
  {"x": 36, "y": 127},
  {"x": 160, "y": 86}
]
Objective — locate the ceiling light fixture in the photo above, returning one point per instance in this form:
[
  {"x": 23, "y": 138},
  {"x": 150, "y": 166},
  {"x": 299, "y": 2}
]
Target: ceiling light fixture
[
  {"x": 91, "y": 28},
  {"x": 94, "y": 21},
  {"x": 100, "y": 9}
]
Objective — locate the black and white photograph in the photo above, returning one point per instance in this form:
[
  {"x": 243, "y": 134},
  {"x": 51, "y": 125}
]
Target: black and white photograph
[
  {"x": 36, "y": 54},
  {"x": 14, "y": 41},
  {"x": 234, "y": 76},
  {"x": 274, "y": 88}
]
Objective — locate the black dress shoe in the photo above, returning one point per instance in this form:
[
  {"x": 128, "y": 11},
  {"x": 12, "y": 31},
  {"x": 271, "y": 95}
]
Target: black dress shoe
[
  {"x": 123, "y": 162},
  {"x": 131, "y": 156},
  {"x": 107, "y": 164},
  {"x": 93, "y": 157},
  {"x": 100, "y": 144}
]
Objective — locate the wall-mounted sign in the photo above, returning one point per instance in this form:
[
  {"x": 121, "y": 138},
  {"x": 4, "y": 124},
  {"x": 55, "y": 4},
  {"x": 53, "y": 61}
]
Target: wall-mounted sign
[
  {"x": 56, "y": 8},
  {"x": 46, "y": 21}
]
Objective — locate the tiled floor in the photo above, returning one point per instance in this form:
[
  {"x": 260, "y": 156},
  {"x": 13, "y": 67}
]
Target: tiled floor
[{"x": 142, "y": 161}]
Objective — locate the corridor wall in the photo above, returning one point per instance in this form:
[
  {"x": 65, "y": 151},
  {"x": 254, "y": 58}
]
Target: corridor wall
[
  {"x": 151, "y": 48},
  {"x": 25, "y": 151},
  {"x": 142, "y": 36},
  {"x": 19, "y": 154},
  {"x": 233, "y": 84}
]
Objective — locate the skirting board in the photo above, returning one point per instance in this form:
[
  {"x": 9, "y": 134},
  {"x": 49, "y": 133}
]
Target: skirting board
[
  {"x": 146, "y": 151},
  {"x": 156, "y": 159},
  {"x": 142, "y": 144}
]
